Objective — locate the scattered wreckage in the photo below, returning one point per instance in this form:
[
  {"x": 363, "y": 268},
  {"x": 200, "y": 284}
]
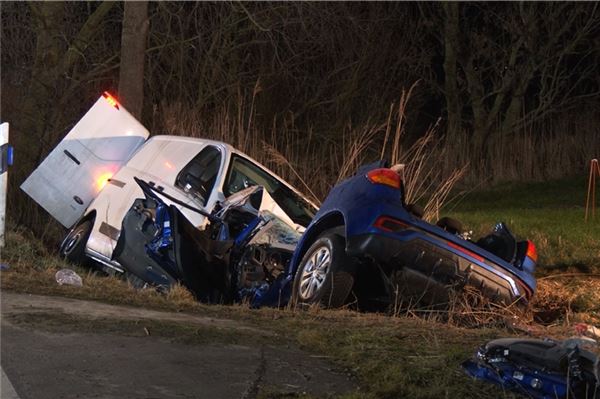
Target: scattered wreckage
[
  {"x": 541, "y": 369},
  {"x": 209, "y": 217}
]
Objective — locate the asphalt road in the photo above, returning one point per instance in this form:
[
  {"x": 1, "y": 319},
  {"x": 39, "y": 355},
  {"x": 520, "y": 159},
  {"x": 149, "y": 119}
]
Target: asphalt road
[{"x": 42, "y": 363}]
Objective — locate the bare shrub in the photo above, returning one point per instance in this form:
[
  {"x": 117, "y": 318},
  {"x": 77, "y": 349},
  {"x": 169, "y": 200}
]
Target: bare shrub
[
  {"x": 425, "y": 175},
  {"x": 315, "y": 163}
]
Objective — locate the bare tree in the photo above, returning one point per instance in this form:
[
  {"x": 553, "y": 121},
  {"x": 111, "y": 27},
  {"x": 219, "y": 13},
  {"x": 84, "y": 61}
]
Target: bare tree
[
  {"x": 509, "y": 65},
  {"x": 133, "y": 50},
  {"x": 54, "y": 75}
]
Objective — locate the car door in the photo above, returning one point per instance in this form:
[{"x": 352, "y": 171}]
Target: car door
[
  {"x": 199, "y": 180},
  {"x": 73, "y": 174}
]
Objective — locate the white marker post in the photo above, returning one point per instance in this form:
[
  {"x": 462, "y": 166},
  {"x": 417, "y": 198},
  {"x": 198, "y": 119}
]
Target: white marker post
[
  {"x": 3, "y": 178},
  {"x": 590, "y": 202}
]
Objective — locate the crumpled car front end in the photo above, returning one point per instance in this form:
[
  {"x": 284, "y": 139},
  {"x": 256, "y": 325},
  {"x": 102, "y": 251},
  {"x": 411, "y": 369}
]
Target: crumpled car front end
[{"x": 241, "y": 255}]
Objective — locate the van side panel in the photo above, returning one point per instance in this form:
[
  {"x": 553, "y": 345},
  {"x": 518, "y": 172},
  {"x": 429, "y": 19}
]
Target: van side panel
[{"x": 159, "y": 160}]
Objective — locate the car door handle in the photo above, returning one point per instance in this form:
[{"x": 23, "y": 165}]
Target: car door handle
[{"x": 67, "y": 153}]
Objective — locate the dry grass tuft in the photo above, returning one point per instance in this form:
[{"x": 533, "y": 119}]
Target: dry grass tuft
[
  {"x": 467, "y": 308},
  {"x": 567, "y": 299},
  {"x": 471, "y": 309},
  {"x": 180, "y": 296}
]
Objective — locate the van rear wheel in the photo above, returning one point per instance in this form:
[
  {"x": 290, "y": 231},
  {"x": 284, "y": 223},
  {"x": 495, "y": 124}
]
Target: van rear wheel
[{"x": 73, "y": 246}]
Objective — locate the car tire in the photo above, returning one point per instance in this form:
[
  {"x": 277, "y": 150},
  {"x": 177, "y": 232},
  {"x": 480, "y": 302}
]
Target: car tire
[
  {"x": 450, "y": 225},
  {"x": 416, "y": 210},
  {"x": 323, "y": 276},
  {"x": 73, "y": 246}
]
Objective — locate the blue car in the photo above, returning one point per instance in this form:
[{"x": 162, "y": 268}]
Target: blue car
[
  {"x": 364, "y": 245},
  {"x": 365, "y": 239}
]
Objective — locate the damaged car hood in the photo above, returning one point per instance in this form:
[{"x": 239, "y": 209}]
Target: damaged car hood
[{"x": 258, "y": 201}]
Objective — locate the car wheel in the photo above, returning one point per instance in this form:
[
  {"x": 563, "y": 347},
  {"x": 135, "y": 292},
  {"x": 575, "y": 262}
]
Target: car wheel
[
  {"x": 416, "y": 210},
  {"x": 322, "y": 277},
  {"x": 73, "y": 246},
  {"x": 450, "y": 225}
]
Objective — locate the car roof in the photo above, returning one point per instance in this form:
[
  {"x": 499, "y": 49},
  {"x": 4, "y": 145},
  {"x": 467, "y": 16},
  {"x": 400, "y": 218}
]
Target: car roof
[
  {"x": 195, "y": 140},
  {"x": 233, "y": 150}
]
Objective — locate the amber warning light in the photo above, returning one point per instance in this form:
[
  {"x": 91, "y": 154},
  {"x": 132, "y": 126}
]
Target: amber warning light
[
  {"x": 531, "y": 251},
  {"x": 102, "y": 180},
  {"x": 110, "y": 99},
  {"x": 384, "y": 176}
]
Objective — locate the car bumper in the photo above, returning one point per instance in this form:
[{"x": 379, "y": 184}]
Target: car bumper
[{"x": 431, "y": 272}]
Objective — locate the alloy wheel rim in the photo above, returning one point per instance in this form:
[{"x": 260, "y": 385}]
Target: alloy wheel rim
[
  {"x": 72, "y": 242},
  {"x": 314, "y": 272}
]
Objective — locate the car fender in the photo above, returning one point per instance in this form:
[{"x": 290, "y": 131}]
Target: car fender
[{"x": 331, "y": 219}]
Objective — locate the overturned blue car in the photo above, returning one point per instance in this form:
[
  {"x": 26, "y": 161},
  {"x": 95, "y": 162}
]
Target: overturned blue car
[{"x": 365, "y": 246}]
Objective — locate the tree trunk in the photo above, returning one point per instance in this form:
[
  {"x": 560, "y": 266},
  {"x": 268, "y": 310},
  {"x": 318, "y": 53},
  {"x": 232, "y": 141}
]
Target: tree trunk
[
  {"x": 43, "y": 86},
  {"x": 133, "y": 49},
  {"x": 451, "y": 43}
]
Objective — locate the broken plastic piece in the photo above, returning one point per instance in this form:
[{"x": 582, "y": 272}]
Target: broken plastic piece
[
  {"x": 584, "y": 329},
  {"x": 68, "y": 277}
]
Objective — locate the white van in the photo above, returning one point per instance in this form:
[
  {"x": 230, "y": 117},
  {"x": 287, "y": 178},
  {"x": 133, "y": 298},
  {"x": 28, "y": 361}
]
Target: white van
[{"x": 87, "y": 181}]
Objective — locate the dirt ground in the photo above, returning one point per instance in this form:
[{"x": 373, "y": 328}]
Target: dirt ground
[{"x": 54, "y": 347}]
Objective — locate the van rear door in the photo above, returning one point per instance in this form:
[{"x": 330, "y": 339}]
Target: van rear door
[{"x": 75, "y": 172}]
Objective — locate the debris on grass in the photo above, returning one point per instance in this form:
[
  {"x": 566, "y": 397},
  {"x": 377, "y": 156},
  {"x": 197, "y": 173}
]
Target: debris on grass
[
  {"x": 68, "y": 277},
  {"x": 541, "y": 369}
]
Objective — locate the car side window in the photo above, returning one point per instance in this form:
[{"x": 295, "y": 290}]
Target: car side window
[
  {"x": 198, "y": 177},
  {"x": 243, "y": 174}
]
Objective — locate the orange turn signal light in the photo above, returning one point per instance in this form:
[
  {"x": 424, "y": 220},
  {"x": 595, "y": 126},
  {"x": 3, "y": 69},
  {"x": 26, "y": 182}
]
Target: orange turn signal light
[
  {"x": 384, "y": 176},
  {"x": 102, "y": 180},
  {"x": 110, "y": 99},
  {"x": 531, "y": 251}
]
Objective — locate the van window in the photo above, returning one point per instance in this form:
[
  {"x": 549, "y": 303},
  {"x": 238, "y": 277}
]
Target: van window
[
  {"x": 198, "y": 177},
  {"x": 243, "y": 174}
]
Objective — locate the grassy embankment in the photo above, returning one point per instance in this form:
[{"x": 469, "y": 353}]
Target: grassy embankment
[
  {"x": 551, "y": 214},
  {"x": 389, "y": 356}
]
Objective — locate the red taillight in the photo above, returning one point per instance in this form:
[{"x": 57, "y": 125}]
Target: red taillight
[
  {"x": 110, "y": 100},
  {"x": 531, "y": 251},
  {"x": 465, "y": 251},
  {"x": 389, "y": 224},
  {"x": 384, "y": 176}
]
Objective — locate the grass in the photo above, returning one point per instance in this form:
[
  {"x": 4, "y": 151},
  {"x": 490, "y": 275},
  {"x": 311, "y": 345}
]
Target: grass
[
  {"x": 394, "y": 357},
  {"x": 390, "y": 357},
  {"x": 60, "y": 322},
  {"x": 551, "y": 214}
]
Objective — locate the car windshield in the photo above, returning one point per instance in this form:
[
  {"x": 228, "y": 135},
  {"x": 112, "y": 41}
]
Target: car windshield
[{"x": 243, "y": 174}]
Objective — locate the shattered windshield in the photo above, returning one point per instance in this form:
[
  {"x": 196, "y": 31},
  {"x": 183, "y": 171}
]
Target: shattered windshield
[
  {"x": 276, "y": 231},
  {"x": 243, "y": 174}
]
